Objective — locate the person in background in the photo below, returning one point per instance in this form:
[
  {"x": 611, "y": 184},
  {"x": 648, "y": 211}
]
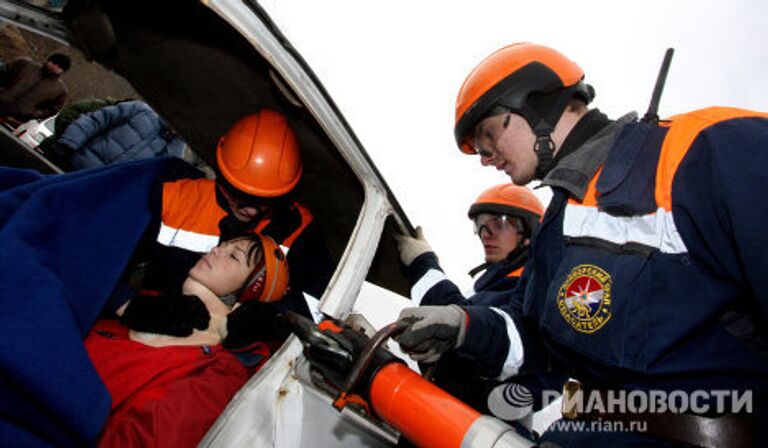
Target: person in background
[
  {"x": 98, "y": 132},
  {"x": 75, "y": 109},
  {"x": 505, "y": 217},
  {"x": 644, "y": 276},
  {"x": 30, "y": 90}
]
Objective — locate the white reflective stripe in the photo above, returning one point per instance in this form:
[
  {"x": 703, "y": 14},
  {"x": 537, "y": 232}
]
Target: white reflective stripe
[
  {"x": 425, "y": 283},
  {"x": 184, "y": 239},
  {"x": 314, "y": 307},
  {"x": 515, "y": 355},
  {"x": 654, "y": 229},
  {"x": 285, "y": 249}
]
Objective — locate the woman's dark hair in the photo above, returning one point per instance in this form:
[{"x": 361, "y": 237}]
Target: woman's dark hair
[{"x": 254, "y": 255}]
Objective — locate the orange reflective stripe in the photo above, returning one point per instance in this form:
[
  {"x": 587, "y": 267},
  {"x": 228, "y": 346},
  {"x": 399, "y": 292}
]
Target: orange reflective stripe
[
  {"x": 683, "y": 130},
  {"x": 306, "y": 218},
  {"x": 590, "y": 197},
  {"x": 190, "y": 205},
  {"x": 517, "y": 272},
  {"x": 584, "y": 219},
  {"x": 656, "y": 229},
  {"x": 261, "y": 225},
  {"x": 190, "y": 215}
]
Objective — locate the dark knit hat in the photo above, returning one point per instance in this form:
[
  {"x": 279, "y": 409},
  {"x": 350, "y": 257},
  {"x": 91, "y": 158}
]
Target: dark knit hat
[{"x": 62, "y": 60}]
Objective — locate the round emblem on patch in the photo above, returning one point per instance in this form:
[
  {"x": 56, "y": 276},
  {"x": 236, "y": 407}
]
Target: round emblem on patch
[{"x": 584, "y": 299}]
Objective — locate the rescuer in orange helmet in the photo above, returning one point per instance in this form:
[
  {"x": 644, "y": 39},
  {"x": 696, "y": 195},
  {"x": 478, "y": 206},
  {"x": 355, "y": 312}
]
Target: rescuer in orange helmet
[
  {"x": 532, "y": 97},
  {"x": 258, "y": 168},
  {"x": 646, "y": 273},
  {"x": 505, "y": 217}
]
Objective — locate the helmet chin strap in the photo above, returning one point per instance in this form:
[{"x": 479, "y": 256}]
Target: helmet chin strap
[
  {"x": 544, "y": 148},
  {"x": 544, "y": 126}
]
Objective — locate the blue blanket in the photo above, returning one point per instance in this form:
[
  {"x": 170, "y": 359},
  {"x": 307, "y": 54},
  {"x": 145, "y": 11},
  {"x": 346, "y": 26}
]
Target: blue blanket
[{"x": 64, "y": 243}]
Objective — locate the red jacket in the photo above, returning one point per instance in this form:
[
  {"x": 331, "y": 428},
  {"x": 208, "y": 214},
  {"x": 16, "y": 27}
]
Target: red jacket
[{"x": 161, "y": 397}]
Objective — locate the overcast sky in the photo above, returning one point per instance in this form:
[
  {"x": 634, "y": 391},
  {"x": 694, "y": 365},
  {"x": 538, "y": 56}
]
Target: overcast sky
[{"x": 394, "y": 69}]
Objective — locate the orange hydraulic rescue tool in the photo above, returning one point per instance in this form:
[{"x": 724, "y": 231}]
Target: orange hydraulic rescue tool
[{"x": 366, "y": 374}]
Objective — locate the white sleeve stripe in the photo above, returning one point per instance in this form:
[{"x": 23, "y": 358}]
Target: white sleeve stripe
[
  {"x": 515, "y": 355},
  {"x": 425, "y": 283},
  {"x": 185, "y": 239},
  {"x": 655, "y": 229}
]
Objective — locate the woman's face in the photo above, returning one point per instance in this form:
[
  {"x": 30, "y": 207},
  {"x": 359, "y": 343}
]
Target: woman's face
[{"x": 226, "y": 268}]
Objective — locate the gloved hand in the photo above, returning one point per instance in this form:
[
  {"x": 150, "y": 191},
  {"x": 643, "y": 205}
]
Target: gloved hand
[
  {"x": 411, "y": 247},
  {"x": 171, "y": 315},
  {"x": 254, "y": 321},
  {"x": 433, "y": 331}
]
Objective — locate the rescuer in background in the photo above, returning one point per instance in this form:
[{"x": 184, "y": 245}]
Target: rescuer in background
[{"x": 505, "y": 217}]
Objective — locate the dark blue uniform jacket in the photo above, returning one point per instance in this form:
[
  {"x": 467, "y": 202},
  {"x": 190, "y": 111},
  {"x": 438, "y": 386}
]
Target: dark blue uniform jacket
[
  {"x": 647, "y": 270},
  {"x": 490, "y": 289}
]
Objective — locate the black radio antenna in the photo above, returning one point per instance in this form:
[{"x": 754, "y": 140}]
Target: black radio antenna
[{"x": 653, "y": 108}]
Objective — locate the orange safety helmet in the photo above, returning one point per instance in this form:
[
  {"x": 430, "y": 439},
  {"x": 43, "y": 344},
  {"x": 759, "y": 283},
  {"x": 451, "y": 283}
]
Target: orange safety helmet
[
  {"x": 260, "y": 156},
  {"x": 508, "y": 79},
  {"x": 512, "y": 200},
  {"x": 269, "y": 280}
]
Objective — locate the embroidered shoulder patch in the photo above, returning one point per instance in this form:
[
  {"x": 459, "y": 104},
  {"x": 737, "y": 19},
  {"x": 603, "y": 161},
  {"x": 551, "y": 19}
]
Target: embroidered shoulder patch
[{"x": 584, "y": 299}]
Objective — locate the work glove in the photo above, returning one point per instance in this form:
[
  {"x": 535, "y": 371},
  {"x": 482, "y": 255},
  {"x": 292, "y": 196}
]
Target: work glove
[
  {"x": 165, "y": 314},
  {"x": 410, "y": 248},
  {"x": 432, "y": 331},
  {"x": 254, "y": 321}
]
